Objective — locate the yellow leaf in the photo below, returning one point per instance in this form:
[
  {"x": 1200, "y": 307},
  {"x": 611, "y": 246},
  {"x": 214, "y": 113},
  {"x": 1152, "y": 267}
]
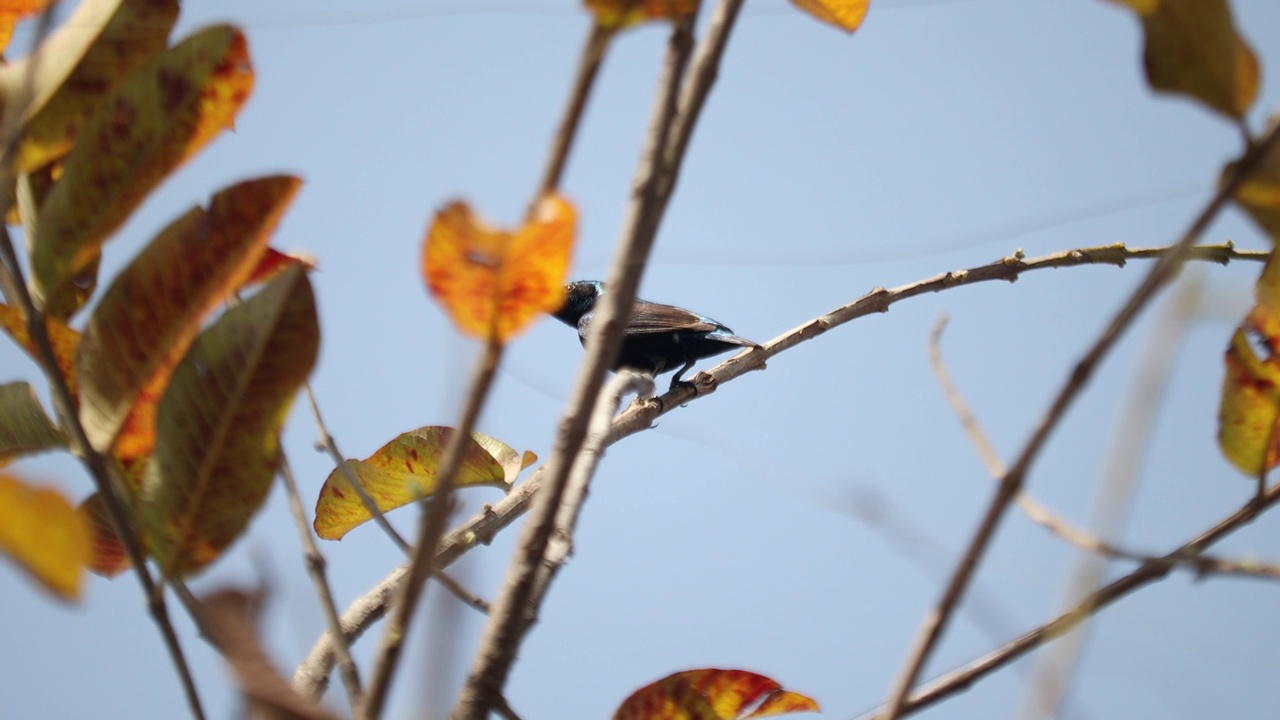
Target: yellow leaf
[
  {"x": 44, "y": 535},
  {"x": 404, "y": 470},
  {"x": 492, "y": 282},
  {"x": 1192, "y": 47},
  {"x": 1250, "y": 404},
  {"x": 162, "y": 115},
  {"x": 844, "y": 14},
  {"x": 616, "y": 14}
]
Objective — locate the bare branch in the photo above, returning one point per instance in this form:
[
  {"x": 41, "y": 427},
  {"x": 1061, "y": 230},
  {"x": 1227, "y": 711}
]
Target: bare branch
[
  {"x": 481, "y": 528},
  {"x": 1150, "y": 571},
  {"x": 1164, "y": 271},
  {"x": 316, "y": 569}
]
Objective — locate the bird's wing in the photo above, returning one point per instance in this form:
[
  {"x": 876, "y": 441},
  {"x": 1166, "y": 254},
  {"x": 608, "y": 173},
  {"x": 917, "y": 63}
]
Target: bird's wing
[{"x": 648, "y": 317}]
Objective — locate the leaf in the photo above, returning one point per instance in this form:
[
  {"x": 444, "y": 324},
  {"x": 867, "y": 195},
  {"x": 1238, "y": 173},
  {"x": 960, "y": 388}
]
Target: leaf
[
  {"x": 617, "y": 14},
  {"x": 137, "y": 31},
  {"x": 27, "y": 85},
  {"x": 1250, "y": 405},
  {"x": 63, "y": 340},
  {"x": 846, "y": 15},
  {"x": 44, "y": 535},
  {"x": 712, "y": 695},
  {"x": 273, "y": 262},
  {"x": 492, "y": 282},
  {"x": 24, "y": 426},
  {"x": 11, "y": 11},
  {"x": 218, "y": 425},
  {"x": 1259, "y": 194},
  {"x": 1192, "y": 47},
  {"x": 231, "y": 619},
  {"x": 151, "y": 313},
  {"x": 108, "y": 557},
  {"x": 161, "y": 116},
  {"x": 403, "y": 471}
]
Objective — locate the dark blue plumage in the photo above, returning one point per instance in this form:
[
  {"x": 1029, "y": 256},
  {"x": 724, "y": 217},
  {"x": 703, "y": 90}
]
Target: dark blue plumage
[{"x": 658, "y": 338}]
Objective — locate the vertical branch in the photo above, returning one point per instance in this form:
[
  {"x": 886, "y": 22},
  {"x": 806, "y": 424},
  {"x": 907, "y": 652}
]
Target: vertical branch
[
  {"x": 316, "y": 569},
  {"x": 516, "y": 606},
  {"x": 1011, "y": 484},
  {"x": 588, "y": 67},
  {"x": 430, "y": 529}
]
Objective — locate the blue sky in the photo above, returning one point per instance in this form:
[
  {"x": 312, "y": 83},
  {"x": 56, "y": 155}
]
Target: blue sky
[{"x": 802, "y": 520}]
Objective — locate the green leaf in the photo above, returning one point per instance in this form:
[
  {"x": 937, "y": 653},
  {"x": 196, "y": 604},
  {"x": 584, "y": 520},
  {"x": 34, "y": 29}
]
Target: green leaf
[
  {"x": 218, "y": 425},
  {"x": 137, "y": 31},
  {"x": 1192, "y": 48},
  {"x": 24, "y": 426}
]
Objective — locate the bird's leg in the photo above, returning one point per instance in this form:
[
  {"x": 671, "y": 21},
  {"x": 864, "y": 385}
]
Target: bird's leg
[{"x": 676, "y": 380}]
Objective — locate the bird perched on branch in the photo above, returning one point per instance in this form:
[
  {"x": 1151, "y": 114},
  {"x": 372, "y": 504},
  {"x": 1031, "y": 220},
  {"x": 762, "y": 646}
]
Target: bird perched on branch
[{"x": 657, "y": 338}]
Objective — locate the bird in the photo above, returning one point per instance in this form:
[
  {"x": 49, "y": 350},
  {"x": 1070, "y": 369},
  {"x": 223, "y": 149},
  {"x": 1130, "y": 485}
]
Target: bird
[{"x": 657, "y": 338}]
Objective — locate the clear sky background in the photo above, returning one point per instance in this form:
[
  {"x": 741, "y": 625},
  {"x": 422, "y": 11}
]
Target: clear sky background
[{"x": 802, "y": 520}]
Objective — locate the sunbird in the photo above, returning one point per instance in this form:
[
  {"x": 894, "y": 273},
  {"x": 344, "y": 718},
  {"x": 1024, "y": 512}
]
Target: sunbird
[{"x": 657, "y": 338}]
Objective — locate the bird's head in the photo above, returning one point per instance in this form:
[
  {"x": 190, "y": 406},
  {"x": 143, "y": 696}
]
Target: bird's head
[{"x": 579, "y": 298}]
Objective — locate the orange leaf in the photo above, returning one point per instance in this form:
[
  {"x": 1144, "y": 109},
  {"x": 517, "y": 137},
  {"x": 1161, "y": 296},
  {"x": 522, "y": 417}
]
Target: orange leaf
[
  {"x": 844, "y": 14},
  {"x": 404, "y": 470},
  {"x": 162, "y": 115},
  {"x": 63, "y": 339},
  {"x": 148, "y": 317},
  {"x": 44, "y": 535},
  {"x": 273, "y": 262},
  {"x": 616, "y": 14},
  {"x": 712, "y": 695},
  {"x": 137, "y": 31},
  {"x": 1192, "y": 47},
  {"x": 11, "y": 11},
  {"x": 108, "y": 558},
  {"x": 492, "y": 282},
  {"x": 218, "y": 425}
]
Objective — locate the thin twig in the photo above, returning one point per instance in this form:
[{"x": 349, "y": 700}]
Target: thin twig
[
  {"x": 327, "y": 442},
  {"x": 1150, "y": 571},
  {"x": 1035, "y": 511},
  {"x": 316, "y": 569},
  {"x": 1165, "y": 269},
  {"x": 481, "y": 528},
  {"x": 430, "y": 530},
  {"x": 513, "y": 610},
  {"x": 588, "y": 68}
]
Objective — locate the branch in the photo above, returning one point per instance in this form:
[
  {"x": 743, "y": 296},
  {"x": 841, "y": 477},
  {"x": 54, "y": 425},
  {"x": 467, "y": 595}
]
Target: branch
[
  {"x": 430, "y": 530},
  {"x": 315, "y": 568},
  {"x": 588, "y": 67},
  {"x": 486, "y": 524},
  {"x": 1150, "y": 571},
  {"x": 1164, "y": 271},
  {"x": 513, "y": 610}
]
